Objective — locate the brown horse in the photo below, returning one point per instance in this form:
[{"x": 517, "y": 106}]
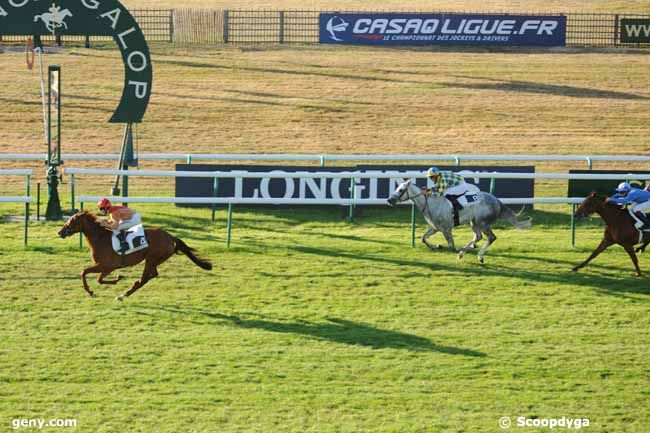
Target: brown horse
[
  {"x": 620, "y": 228},
  {"x": 162, "y": 246}
]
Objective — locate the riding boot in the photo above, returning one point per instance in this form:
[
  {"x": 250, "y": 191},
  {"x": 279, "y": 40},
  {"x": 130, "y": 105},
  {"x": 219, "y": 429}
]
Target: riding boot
[
  {"x": 644, "y": 219},
  {"x": 457, "y": 207},
  {"x": 124, "y": 245}
]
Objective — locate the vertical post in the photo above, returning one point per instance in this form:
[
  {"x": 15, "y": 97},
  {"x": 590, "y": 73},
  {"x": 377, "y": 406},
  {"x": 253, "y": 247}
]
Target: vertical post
[
  {"x": 322, "y": 161},
  {"x": 226, "y": 25},
  {"x": 352, "y": 197},
  {"x": 229, "y": 225},
  {"x": 282, "y": 27},
  {"x": 589, "y": 163},
  {"x": 412, "y": 225},
  {"x": 573, "y": 225},
  {"x": 81, "y": 236},
  {"x": 27, "y": 209},
  {"x": 87, "y": 42},
  {"x": 616, "y": 30},
  {"x": 171, "y": 26},
  {"x": 38, "y": 201},
  {"x": 53, "y": 211},
  {"x": 72, "y": 194},
  {"x": 457, "y": 160},
  {"x": 492, "y": 182},
  {"x": 215, "y": 194},
  {"x": 189, "y": 158}
]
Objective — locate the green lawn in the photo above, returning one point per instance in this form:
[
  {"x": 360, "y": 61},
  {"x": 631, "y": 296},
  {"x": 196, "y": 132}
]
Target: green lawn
[{"x": 310, "y": 323}]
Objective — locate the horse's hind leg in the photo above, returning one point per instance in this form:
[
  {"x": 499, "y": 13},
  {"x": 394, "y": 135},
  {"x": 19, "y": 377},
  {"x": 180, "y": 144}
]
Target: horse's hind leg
[
  {"x": 472, "y": 244},
  {"x": 101, "y": 280},
  {"x": 491, "y": 237},
  {"x": 432, "y": 231},
  {"x": 149, "y": 272}
]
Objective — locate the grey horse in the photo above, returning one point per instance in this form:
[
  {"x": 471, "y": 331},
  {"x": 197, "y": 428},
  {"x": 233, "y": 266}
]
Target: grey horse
[{"x": 438, "y": 213}]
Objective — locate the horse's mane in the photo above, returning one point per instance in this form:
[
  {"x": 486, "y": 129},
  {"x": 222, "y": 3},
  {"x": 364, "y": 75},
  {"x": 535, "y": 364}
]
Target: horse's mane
[{"x": 93, "y": 218}]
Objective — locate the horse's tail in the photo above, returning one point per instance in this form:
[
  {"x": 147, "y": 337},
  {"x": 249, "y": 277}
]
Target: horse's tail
[
  {"x": 510, "y": 216},
  {"x": 190, "y": 252}
]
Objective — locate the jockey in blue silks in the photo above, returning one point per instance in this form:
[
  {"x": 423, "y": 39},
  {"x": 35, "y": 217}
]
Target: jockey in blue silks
[{"x": 640, "y": 199}]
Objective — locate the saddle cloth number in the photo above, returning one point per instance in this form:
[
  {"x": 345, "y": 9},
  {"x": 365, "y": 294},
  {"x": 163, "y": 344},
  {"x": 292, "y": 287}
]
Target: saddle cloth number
[
  {"x": 469, "y": 199},
  {"x": 135, "y": 238}
]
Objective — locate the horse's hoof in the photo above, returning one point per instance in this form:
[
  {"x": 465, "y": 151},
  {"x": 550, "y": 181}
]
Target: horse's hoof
[
  {"x": 574, "y": 269},
  {"x": 461, "y": 254},
  {"x": 93, "y": 295},
  {"x": 119, "y": 298},
  {"x": 481, "y": 260}
]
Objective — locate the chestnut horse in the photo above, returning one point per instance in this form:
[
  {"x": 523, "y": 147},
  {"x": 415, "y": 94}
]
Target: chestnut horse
[
  {"x": 620, "y": 229},
  {"x": 162, "y": 246}
]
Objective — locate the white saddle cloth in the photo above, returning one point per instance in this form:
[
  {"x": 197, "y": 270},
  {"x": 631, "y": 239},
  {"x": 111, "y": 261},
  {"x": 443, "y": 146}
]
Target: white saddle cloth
[
  {"x": 135, "y": 237},
  {"x": 471, "y": 197}
]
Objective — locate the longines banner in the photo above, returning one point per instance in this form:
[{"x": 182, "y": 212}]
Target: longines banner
[
  {"x": 332, "y": 188},
  {"x": 442, "y": 29},
  {"x": 92, "y": 18},
  {"x": 635, "y": 31}
]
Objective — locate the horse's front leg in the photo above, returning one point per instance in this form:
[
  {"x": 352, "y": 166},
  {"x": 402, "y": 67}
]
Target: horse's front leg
[
  {"x": 432, "y": 231},
  {"x": 604, "y": 244},
  {"x": 450, "y": 239},
  {"x": 91, "y": 270}
]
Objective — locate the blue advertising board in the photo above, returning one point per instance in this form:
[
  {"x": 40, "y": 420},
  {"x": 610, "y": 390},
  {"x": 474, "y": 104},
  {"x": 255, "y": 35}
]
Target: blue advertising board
[{"x": 442, "y": 29}]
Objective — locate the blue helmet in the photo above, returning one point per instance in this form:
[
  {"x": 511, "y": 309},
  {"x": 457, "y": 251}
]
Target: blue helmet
[
  {"x": 432, "y": 171},
  {"x": 623, "y": 187}
]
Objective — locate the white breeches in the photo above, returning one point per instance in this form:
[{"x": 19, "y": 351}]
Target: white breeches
[
  {"x": 457, "y": 190},
  {"x": 641, "y": 207},
  {"x": 134, "y": 221}
]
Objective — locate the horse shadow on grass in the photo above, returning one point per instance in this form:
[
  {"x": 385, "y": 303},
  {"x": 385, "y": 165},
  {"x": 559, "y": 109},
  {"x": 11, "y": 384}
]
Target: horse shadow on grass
[
  {"x": 605, "y": 284},
  {"x": 334, "y": 329}
]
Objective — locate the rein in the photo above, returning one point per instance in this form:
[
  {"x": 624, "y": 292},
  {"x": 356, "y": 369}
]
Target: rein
[{"x": 426, "y": 201}]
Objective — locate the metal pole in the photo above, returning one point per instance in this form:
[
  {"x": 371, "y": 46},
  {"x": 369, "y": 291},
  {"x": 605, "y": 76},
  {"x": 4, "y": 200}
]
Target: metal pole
[
  {"x": 412, "y": 225},
  {"x": 38, "y": 201},
  {"x": 189, "y": 159},
  {"x": 72, "y": 195},
  {"x": 81, "y": 236},
  {"x": 589, "y": 163},
  {"x": 215, "y": 193},
  {"x": 457, "y": 159},
  {"x": 492, "y": 182},
  {"x": 573, "y": 225},
  {"x": 352, "y": 194},
  {"x": 27, "y": 211},
  {"x": 229, "y": 225}
]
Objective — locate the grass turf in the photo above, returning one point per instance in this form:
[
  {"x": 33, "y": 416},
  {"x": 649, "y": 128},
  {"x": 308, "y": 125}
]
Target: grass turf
[{"x": 313, "y": 323}]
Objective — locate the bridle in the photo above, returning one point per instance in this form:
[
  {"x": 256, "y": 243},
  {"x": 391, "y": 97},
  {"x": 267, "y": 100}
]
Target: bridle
[{"x": 409, "y": 197}]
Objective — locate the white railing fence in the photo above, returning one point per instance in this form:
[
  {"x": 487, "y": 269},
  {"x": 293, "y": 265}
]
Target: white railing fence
[
  {"x": 26, "y": 199},
  {"x": 322, "y": 159},
  {"x": 351, "y": 202}
]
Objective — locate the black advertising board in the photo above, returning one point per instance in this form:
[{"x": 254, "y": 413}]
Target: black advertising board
[
  {"x": 583, "y": 187},
  {"x": 332, "y": 188},
  {"x": 635, "y": 31}
]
